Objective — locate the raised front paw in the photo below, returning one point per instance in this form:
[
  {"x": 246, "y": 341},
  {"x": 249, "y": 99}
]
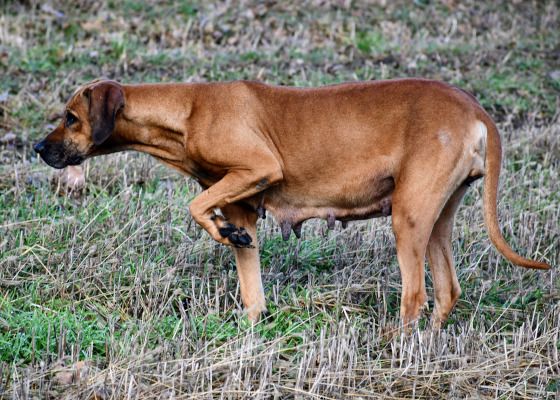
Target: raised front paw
[{"x": 238, "y": 237}]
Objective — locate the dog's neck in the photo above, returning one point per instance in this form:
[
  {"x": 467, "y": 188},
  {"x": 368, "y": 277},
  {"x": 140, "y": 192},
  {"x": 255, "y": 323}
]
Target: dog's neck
[{"x": 156, "y": 128}]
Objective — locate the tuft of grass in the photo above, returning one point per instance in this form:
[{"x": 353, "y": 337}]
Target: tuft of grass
[
  {"x": 39, "y": 330},
  {"x": 370, "y": 43}
]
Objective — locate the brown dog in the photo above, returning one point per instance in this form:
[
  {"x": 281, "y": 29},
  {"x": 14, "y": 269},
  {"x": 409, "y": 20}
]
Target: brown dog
[{"x": 406, "y": 148}]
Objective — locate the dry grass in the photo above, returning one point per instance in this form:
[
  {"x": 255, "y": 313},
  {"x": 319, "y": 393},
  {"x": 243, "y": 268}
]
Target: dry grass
[{"x": 115, "y": 293}]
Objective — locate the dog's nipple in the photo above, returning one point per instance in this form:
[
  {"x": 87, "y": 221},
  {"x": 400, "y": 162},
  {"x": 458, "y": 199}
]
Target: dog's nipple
[
  {"x": 330, "y": 220},
  {"x": 286, "y": 228},
  {"x": 261, "y": 211},
  {"x": 297, "y": 230}
]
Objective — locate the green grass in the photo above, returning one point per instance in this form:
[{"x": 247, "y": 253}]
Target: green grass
[
  {"x": 36, "y": 330},
  {"x": 371, "y": 43}
]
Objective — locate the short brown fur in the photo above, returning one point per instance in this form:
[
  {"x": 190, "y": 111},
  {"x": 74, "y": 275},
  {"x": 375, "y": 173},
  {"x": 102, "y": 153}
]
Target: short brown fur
[{"x": 352, "y": 151}]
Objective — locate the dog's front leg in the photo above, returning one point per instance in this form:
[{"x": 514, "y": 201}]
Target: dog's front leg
[
  {"x": 234, "y": 186},
  {"x": 247, "y": 262}
]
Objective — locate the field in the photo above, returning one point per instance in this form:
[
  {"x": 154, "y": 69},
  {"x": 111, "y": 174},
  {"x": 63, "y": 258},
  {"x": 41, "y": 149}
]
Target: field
[{"x": 113, "y": 292}]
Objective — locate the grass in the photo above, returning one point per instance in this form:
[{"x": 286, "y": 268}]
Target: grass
[{"x": 120, "y": 277}]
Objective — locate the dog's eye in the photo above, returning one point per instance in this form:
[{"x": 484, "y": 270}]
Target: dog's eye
[{"x": 70, "y": 119}]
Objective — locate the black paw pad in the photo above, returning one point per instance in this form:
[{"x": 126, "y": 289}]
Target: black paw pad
[
  {"x": 240, "y": 238},
  {"x": 227, "y": 230},
  {"x": 237, "y": 236}
]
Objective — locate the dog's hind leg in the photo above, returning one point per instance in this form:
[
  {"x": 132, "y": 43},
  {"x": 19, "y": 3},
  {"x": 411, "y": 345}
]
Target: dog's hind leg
[
  {"x": 247, "y": 261},
  {"x": 440, "y": 256},
  {"x": 418, "y": 199}
]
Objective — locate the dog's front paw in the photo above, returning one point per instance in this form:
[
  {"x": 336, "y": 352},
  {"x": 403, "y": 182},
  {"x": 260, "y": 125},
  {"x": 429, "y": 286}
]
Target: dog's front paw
[{"x": 238, "y": 237}]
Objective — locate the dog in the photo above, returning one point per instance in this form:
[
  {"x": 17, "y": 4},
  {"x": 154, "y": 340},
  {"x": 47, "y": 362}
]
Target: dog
[{"x": 408, "y": 148}]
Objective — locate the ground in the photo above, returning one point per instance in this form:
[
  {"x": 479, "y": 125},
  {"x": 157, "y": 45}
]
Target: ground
[{"x": 114, "y": 292}]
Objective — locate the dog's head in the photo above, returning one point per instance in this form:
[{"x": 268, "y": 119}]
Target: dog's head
[{"x": 87, "y": 122}]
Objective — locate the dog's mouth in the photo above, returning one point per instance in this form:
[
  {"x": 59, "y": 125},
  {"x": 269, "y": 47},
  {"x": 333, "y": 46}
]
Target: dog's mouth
[{"x": 56, "y": 155}]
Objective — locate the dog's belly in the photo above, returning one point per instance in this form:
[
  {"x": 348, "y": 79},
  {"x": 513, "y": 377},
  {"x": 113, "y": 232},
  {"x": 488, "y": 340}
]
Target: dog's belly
[{"x": 292, "y": 204}]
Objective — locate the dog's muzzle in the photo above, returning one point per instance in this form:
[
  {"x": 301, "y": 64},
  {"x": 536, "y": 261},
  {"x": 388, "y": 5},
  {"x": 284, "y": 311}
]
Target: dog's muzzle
[{"x": 55, "y": 155}]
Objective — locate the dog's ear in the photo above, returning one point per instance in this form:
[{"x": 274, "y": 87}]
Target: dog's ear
[{"x": 105, "y": 101}]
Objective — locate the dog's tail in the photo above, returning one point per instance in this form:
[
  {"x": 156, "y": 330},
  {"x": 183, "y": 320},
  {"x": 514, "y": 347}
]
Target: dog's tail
[{"x": 492, "y": 176}]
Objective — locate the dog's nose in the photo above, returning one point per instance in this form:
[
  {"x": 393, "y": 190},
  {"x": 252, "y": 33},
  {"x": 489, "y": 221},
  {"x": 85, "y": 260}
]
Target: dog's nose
[{"x": 39, "y": 146}]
